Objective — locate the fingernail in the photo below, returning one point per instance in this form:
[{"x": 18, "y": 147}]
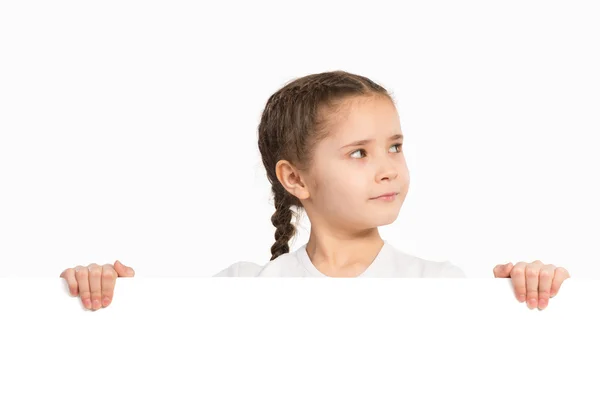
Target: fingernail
[
  {"x": 96, "y": 304},
  {"x": 522, "y": 297},
  {"x": 532, "y": 302},
  {"x": 542, "y": 304},
  {"x": 105, "y": 301},
  {"x": 87, "y": 303}
]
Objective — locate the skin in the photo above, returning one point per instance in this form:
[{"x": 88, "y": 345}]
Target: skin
[
  {"x": 95, "y": 284},
  {"x": 337, "y": 193},
  {"x": 533, "y": 282}
]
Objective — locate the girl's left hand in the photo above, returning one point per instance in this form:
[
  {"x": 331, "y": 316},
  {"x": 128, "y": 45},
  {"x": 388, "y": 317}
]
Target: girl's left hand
[{"x": 533, "y": 282}]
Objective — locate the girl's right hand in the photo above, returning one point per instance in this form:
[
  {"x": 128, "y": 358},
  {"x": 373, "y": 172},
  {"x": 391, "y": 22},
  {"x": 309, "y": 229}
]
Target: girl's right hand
[{"x": 95, "y": 284}]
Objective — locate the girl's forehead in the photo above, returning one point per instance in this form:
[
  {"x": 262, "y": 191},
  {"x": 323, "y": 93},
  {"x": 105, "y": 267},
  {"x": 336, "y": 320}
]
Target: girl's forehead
[{"x": 365, "y": 126}]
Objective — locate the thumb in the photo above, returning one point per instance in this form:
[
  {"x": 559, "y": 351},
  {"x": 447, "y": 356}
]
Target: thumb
[
  {"x": 122, "y": 270},
  {"x": 503, "y": 270}
]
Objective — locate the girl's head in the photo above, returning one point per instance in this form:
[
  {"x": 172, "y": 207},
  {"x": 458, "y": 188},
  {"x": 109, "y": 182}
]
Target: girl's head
[{"x": 330, "y": 144}]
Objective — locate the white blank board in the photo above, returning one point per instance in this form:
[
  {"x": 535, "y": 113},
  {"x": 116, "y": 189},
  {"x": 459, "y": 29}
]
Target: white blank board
[{"x": 298, "y": 344}]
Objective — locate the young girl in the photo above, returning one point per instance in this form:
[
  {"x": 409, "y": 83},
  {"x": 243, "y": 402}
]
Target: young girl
[{"x": 331, "y": 144}]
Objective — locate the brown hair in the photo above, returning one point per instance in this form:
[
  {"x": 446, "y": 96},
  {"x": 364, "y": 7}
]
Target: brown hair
[{"x": 293, "y": 121}]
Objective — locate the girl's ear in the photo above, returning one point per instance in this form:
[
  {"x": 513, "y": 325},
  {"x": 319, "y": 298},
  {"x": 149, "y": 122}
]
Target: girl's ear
[{"x": 291, "y": 180}]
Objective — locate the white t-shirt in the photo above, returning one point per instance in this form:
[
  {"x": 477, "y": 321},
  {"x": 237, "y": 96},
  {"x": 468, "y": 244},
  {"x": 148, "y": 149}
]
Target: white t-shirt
[{"x": 390, "y": 262}]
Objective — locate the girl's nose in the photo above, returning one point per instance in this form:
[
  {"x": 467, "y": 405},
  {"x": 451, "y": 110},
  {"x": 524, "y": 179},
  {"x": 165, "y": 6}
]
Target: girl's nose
[{"x": 387, "y": 170}]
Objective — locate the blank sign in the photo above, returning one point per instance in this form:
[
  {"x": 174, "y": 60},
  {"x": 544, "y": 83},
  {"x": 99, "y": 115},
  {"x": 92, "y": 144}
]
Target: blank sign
[{"x": 298, "y": 344}]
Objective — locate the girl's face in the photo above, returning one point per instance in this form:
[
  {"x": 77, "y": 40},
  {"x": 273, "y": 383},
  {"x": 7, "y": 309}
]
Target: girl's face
[{"x": 361, "y": 159}]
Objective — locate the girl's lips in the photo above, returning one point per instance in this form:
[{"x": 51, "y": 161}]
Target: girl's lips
[{"x": 386, "y": 197}]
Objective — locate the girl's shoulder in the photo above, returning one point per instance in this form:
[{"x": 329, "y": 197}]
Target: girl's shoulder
[
  {"x": 240, "y": 269},
  {"x": 286, "y": 265},
  {"x": 399, "y": 263}
]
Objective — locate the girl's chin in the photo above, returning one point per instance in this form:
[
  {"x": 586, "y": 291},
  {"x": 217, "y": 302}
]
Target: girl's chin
[
  {"x": 381, "y": 220},
  {"x": 387, "y": 221}
]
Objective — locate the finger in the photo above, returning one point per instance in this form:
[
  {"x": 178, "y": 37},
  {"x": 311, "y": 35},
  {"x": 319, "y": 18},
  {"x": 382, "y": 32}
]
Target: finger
[
  {"x": 545, "y": 283},
  {"x": 69, "y": 276},
  {"x": 532, "y": 273},
  {"x": 503, "y": 270},
  {"x": 95, "y": 285},
  {"x": 109, "y": 279},
  {"x": 517, "y": 276},
  {"x": 560, "y": 275},
  {"x": 123, "y": 270},
  {"x": 81, "y": 275}
]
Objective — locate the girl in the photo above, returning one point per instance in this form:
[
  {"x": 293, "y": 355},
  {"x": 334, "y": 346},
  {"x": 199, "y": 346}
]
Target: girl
[{"x": 331, "y": 144}]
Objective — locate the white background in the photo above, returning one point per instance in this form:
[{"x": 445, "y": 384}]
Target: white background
[{"x": 128, "y": 130}]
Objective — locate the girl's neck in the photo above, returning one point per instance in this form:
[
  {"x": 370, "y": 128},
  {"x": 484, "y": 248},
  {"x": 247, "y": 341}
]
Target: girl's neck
[{"x": 338, "y": 256}]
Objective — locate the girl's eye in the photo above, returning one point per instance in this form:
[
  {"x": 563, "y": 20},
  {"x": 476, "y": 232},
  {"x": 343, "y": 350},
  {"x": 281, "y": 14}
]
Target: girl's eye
[
  {"x": 399, "y": 147},
  {"x": 357, "y": 151}
]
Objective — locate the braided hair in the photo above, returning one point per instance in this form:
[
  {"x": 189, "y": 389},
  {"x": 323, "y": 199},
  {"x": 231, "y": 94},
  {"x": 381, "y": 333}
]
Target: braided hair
[{"x": 292, "y": 122}]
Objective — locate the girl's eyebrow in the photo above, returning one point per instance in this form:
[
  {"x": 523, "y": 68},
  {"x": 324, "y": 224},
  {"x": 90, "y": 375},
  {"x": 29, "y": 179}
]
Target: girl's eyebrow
[{"x": 365, "y": 142}]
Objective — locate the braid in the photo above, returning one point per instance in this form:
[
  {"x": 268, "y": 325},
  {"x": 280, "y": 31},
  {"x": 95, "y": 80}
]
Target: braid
[{"x": 282, "y": 220}]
